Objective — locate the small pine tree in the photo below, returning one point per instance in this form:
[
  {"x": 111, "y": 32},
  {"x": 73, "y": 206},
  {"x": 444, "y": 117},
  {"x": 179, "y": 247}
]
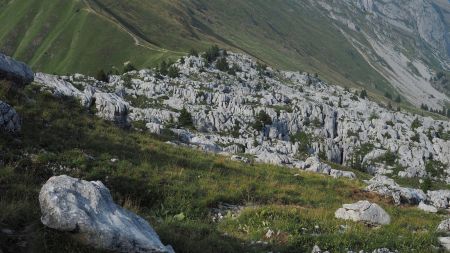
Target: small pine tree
[
  {"x": 193, "y": 52},
  {"x": 211, "y": 54},
  {"x": 363, "y": 94},
  {"x": 163, "y": 68},
  {"x": 185, "y": 118},
  {"x": 398, "y": 99},
  {"x": 222, "y": 64},
  {"x": 388, "y": 95},
  {"x": 173, "y": 72},
  {"x": 261, "y": 68},
  {"x": 128, "y": 67},
  {"x": 102, "y": 76},
  {"x": 262, "y": 119},
  {"x": 340, "y": 102}
]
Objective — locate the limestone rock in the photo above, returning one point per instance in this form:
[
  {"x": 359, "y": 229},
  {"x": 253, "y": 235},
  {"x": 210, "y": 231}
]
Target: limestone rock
[
  {"x": 445, "y": 242},
  {"x": 86, "y": 209},
  {"x": 387, "y": 187},
  {"x": 313, "y": 164},
  {"x": 439, "y": 199},
  {"x": 427, "y": 208},
  {"x": 444, "y": 226},
  {"x": 9, "y": 119},
  {"x": 14, "y": 70},
  {"x": 364, "y": 211}
]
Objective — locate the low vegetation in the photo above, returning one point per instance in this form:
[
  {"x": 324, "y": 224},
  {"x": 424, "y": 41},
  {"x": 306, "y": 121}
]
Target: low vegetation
[{"x": 174, "y": 188}]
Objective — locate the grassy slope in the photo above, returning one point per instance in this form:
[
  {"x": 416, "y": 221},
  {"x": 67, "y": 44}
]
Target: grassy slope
[
  {"x": 65, "y": 37},
  {"x": 159, "y": 181}
]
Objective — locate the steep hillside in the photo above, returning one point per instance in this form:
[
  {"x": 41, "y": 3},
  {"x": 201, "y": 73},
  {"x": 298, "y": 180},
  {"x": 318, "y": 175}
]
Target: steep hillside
[
  {"x": 68, "y": 36},
  {"x": 104, "y": 33},
  {"x": 405, "y": 41},
  {"x": 84, "y": 36}
]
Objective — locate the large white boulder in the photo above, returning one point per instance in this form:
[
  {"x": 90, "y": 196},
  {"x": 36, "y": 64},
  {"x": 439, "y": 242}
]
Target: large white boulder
[
  {"x": 86, "y": 209},
  {"x": 364, "y": 211},
  {"x": 15, "y": 70}
]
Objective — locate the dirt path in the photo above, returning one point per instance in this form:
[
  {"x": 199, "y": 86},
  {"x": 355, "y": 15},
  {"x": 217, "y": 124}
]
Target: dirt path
[{"x": 138, "y": 41}]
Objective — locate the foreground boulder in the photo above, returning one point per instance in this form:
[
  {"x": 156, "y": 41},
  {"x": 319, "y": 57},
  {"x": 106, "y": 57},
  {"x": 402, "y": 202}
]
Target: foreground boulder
[
  {"x": 364, "y": 211},
  {"x": 15, "y": 71},
  {"x": 86, "y": 209},
  {"x": 9, "y": 119}
]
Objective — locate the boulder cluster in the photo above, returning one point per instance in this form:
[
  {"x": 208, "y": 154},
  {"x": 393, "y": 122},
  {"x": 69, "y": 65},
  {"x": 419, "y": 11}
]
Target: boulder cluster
[{"x": 272, "y": 116}]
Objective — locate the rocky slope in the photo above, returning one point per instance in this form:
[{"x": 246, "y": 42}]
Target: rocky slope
[
  {"x": 405, "y": 41},
  {"x": 389, "y": 47},
  {"x": 272, "y": 116}
]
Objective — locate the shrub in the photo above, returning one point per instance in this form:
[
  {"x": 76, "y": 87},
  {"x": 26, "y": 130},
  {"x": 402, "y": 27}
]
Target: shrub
[
  {"x": 261, "y": 68},
  {"x": 316, "y": 122},
  {"x": 235, "y": 68},
  {"x": 163, "y": 68},
  {"x": 262, "y": 119},
  {"x": 416, "y": 124},
  {"x": 211, "y": 54},
  {"x": 101, "y": 76},
  {"x": 388, "y": 95},
  {"x": 173, "y": 72},
  {"x": 222, "y": 64},
  {"x": 373, "y": 116},
  {"x": 363, "y": 94},
  {"x": 193, "y": 52},
  {"x": 435, "y": 168},
  {"x": 185, "y": 118},
  {"x": 415, "y": 137},
  {"x": 359, "y": 154},
  {"x": 128, "y": 67},
  {"x": 304, "y": 141}
]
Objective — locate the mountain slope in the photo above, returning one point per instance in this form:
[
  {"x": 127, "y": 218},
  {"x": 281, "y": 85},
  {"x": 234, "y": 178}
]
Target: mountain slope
[
  {"x": 405, "y": 41},
  {"x": 197, "y": 202},
  {"x": 66, "y": 36},
  {"x": 84, "y": 36},
  {"x": 313, "y": 45}
]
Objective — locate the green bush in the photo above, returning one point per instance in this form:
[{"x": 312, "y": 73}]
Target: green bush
[
  {"x": 185, "y": 119},
  {"x": 416, "y": 124},
  {"x": 435, "y": 168},
  {"x": 102, "y": 76},
  {"x": 163, "y": 68},
  {"x": 128, "y": 67},
  {"x": 304, "y": 140},
  {"x": 262, "y": 119},
  {"x": 222, "y": 64},
  {"x": 211, "y": 53},
  {"x": 173, "y": 72},
  {"x": 363, "y": 94}
]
